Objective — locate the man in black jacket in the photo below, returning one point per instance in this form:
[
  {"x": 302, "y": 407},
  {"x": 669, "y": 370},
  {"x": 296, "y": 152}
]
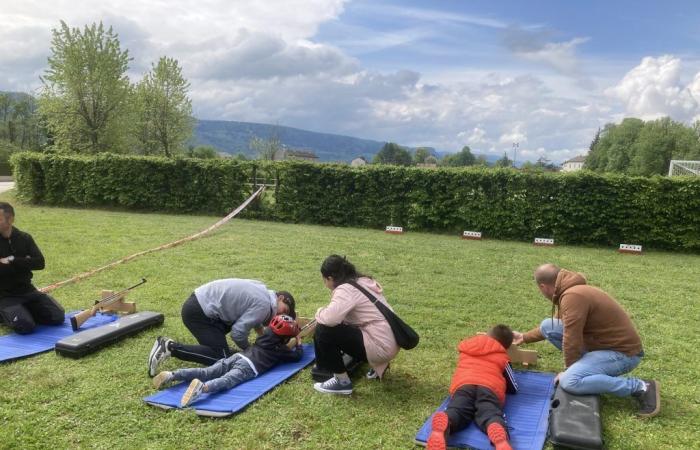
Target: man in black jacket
[{"x": 22, "y": 306}]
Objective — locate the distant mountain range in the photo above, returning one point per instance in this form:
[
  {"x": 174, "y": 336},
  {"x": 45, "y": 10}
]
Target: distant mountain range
[{"x": 234, "y": 137}]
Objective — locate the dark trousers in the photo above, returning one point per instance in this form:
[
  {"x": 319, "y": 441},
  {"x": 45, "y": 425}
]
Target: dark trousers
[
  {"x": 210, "y": 333},
  {"x": 24, "y": 312},
  {"x": 329, "y": 342},
  {"x": 474, "y": 403}
]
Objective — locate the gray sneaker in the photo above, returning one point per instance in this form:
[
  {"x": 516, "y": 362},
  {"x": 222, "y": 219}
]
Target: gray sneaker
[
  {"x": 159, "y": 353},
  {"x": 162, "y": 379},
  {"x": 649, "y": 400},
  {"x": 334, "y": 386},
  {"x": 193, "y": 392}
]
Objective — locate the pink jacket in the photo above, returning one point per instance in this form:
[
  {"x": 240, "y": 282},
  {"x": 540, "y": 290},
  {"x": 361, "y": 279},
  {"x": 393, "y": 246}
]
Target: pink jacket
[{"x": 351, "y": 307}]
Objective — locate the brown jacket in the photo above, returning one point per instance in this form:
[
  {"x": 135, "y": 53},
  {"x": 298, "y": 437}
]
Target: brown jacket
[{"x": 592, "y": 320}]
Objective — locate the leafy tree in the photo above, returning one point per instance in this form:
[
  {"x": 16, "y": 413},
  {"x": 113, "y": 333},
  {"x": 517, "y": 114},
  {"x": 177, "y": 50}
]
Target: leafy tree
[
  {"x": 86, "y": 93},
  {"x": 266, "y": 148},
  {"x": 504, "y": 162},
  {"x": 165, "y": 123},
  {"x": 463, "y": 158},
  {"x": 421, "y": 154},
  {"x": 203, "y": 152},
  {"x": 392, "y": 153}
]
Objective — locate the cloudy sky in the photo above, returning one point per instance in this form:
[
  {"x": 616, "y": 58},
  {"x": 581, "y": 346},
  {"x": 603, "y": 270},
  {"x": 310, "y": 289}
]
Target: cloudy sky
[{"x": 544, "y": 74}]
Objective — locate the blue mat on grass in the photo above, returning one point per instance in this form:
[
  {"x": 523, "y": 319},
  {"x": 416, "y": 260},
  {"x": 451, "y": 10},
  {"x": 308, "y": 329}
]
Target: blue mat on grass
[
  {"x": 44, "y": 337},
  {"x": 229, "y": 402},
  {"x": 527, "y": 413}
]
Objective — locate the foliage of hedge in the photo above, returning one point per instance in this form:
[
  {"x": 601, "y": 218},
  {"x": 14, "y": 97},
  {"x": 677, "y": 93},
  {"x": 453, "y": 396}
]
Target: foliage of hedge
[{"x": 575, "y": 208}]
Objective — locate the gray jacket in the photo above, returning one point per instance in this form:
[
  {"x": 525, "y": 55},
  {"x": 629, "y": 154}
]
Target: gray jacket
[{"x": 241, "y": 304}]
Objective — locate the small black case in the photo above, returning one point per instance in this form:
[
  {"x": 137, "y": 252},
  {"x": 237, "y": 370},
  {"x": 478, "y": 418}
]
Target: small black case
[
  {"x": 88, "y": 341},
  {"x": 574, "y": 421}
]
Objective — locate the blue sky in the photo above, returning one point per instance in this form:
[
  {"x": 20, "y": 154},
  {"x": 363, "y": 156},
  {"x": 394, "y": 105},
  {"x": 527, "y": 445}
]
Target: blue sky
[{"x": 545, "y": 74}]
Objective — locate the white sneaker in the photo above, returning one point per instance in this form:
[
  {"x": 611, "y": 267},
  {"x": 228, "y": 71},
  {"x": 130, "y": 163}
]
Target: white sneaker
[
  {"x": 334, "y": 386},
  {"x": 162, "y": 379},
  {"x": 159, "y": 353},
  {"x": 193, "y": 392}
]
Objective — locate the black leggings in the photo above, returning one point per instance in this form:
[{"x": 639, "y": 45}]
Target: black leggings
[
  {"x": 330, "y": 341},
  {"x": 24, "y": 312},
  {"x": 476, "y": 403},
  {"x": 210, "y": 333}
]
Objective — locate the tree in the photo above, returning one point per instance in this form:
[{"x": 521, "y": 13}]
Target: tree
[
  {"x": 392, "y": 153},
  {"x": 165, "y": 123},
  {"x": 421, "y": 154},
  {"x": 86, "y": 93},
  {"x": 203, "y": 152},
  {"x": 504, "y": 162},
  {"x": 463, "y": 158},
  {"x": 266, "y": 148}
]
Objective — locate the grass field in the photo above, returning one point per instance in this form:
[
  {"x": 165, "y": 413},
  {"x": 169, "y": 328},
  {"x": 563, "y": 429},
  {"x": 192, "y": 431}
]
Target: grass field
[{"x": 445, "y": 287}]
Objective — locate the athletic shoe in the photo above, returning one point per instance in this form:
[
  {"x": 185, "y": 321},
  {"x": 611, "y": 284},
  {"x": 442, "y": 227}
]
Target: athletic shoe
[
  {"x": 334, "y": 386},
  {"x": 373, "y": 375},
  {"x": 649, "y": 399},
  {"x": 159, "y": 353},
  {"x": 193, "y": 392},
  {"x": 162, "y": 379},
  {"x": 436, "y": 440}
]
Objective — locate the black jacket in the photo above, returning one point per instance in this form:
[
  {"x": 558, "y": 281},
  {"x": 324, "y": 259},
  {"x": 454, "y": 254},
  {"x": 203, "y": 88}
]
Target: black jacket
[
  {"x": 268, "y": 350},
  {"x": 16, "y": 277}
]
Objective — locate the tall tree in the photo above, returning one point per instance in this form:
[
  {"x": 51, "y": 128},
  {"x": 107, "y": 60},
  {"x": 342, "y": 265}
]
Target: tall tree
[
  {"x": 463, "y": 158},
  {"x": 421, "y": 154},
  {"x": 165, "y": 123},
  {"x": 392, "y": 153},
  {"x": 504, "y": 162},
  {"x": 86, "y": 91}
]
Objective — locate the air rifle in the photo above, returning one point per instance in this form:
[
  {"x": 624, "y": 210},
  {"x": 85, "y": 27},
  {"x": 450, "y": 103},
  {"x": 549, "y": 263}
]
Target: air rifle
[{"x": 80, "y": 318}]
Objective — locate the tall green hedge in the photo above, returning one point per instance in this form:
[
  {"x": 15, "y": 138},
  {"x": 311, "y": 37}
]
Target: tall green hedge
[{"x": 575, "y": 208}]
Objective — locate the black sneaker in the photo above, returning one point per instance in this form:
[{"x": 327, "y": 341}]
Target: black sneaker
[
  {"x": 159, "y": 353},
  {"x": 334, "y": 386},
  {"x": 649, "y": 400}
]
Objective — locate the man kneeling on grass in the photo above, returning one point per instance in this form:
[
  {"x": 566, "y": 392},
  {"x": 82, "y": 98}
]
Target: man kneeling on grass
[{"x": 268, "y": 350}]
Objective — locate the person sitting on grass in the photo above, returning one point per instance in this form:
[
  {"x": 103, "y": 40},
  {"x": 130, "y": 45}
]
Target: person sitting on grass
[
  {"x": 478, "y": 390},
  {"x": 269, "y": 349}
]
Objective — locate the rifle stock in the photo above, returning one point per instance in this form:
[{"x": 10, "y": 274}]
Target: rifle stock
[{"x": 77, "y": 320}]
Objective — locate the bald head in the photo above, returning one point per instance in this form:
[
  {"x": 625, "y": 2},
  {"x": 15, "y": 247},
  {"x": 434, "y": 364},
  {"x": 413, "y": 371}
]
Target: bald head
[{"x": 547, "y": 274}]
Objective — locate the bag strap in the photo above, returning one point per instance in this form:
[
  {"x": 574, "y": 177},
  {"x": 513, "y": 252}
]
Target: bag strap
[{"x": 357, "y": 286}]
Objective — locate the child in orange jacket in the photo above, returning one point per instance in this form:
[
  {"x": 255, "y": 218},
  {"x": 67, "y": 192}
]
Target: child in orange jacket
[{"x": 478, "y": 390}]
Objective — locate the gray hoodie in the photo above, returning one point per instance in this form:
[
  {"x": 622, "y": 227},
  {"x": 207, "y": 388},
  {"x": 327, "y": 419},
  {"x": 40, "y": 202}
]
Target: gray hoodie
[{"x": 243, "y": 304}]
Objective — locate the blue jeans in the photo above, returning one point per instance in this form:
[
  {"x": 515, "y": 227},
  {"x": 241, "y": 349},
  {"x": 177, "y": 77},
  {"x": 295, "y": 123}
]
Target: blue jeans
[
  {"x": 597, "y": 371},
  {"x": 224, "y": 374}
]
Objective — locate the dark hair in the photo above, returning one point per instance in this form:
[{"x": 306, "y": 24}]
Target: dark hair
[
  {"x": 289, "y": 301},
  {"x": 7, "y": 209},
  {"x": 502, "y": 334},
  {"x": 340, "y": 269}
]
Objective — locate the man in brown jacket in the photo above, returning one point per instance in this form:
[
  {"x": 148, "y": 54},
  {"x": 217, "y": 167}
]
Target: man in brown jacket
[{"x": 597, "y": 337}]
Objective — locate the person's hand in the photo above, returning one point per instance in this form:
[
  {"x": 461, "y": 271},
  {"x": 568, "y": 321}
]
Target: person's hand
[
  {"x": 556, "y": 379},
  {"x": 517, "y": 338},
  {"x": 259, "y": 330}
]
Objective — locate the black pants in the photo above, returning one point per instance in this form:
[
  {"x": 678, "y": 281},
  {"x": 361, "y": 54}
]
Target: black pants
[
  {"x": 24, "y": 312},
  {"x": 474, "y": 403},
  {"x": 210, "y": 333},
  {"x": 330, "y": 341}
]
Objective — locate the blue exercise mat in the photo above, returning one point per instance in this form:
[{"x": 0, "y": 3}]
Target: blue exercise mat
[
  {"x": 44, "y": 337},
  {"x": 229, "y": 402},
  {"x": 527, "y": 413}
]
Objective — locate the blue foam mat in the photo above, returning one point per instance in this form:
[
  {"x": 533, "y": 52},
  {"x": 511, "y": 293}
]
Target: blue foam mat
[
  {"x": 44, "y": 337},
  {"x": 527, "y": 413},
  {"x": 229, "y": 402}
]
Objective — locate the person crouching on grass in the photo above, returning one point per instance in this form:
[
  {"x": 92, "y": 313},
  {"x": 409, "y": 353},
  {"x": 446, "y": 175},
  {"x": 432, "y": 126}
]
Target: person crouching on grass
[
  {"x": 478, "y": 390},
  {"x": 268, "y": 350}
]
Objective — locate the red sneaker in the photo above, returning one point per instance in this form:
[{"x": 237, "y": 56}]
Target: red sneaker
[
  {"x": 440, "y": 423},
  {"x": 498, "y": 436}
]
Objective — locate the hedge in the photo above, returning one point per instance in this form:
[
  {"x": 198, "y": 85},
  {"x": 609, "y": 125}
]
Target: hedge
[{"x": 573, "y": 208}]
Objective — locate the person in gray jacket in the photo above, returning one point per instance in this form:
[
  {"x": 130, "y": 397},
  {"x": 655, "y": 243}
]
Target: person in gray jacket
[{"x": 230, "y": 305}]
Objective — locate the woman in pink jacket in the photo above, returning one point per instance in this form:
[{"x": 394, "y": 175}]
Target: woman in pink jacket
[{"x": 351, "y": 324}]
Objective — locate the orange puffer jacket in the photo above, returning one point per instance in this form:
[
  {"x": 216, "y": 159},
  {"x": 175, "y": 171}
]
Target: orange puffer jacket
[{"x": 482, "y": 360}]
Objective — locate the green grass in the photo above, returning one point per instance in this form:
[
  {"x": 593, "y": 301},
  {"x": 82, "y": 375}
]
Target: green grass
[{"x": 445, "y": 287}]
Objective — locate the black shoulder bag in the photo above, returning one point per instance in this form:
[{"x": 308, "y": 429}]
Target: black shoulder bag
[{"x": 405, "y": 336}]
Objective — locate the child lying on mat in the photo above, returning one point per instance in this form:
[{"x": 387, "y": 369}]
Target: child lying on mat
[
  {"x": 478, "y": 389},
  {"x": 268, "y": 350}
]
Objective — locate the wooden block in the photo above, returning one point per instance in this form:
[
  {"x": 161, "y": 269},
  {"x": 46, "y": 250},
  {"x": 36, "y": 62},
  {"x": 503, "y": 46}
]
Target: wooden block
[
  {"x": 118, "y": 306},
  {"x": 524, "y": 357},
  {"x": 629, "y": 248},
  {"x": 544, "y": 242},
  {"x": 472, "y": 235},
  {"x": 394, "y": 230}
]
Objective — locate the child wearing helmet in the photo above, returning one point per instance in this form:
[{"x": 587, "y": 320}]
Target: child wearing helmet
[{"x": 269, "y": 349}]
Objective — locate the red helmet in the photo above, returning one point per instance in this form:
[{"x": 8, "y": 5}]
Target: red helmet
[{"x": 283, "y": 325}]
